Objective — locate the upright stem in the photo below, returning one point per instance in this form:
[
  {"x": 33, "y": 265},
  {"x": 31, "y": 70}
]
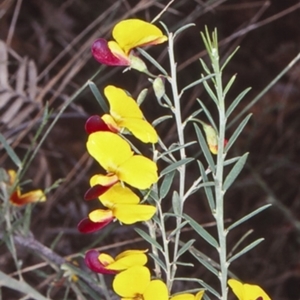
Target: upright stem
[
  {"x": 218, "y": 178},
  {"x": 182, "y": 169}
]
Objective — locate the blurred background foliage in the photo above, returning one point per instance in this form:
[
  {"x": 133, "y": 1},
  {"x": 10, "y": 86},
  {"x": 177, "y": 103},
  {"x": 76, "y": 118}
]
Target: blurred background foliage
[{"x": 47, "y": 44}]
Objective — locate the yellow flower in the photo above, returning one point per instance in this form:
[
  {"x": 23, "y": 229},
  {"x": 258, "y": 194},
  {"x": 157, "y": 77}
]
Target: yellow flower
[
  {"x": 135, "y": 283},
  {"x": 198, "y": 296},
  {"x": 122, "y": 204},
  {"x": 247, "y": 291},
  {"x": 105, "y": 264},
  {"x": 124, "y": 113},
  {"x": 19, "y": 199},
  {"x": 128, "y": 34},
  {"x": 115, "y": 156}
]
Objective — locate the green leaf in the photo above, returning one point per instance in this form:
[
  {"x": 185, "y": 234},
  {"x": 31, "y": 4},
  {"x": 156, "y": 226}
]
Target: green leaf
[
  {"x": 210, "y": 93},
  {"x": 177, "y": 229},
  {"x": 166, "y": 184},
  {"x": 245, "y": 250},
  {"x": 148, "y": 238},
  {"x": 229, "y": 58},
  {"x": 176, "y": 165},
  {"x": 206, "y": 263},
  {"x": 159, "y": 261},
  {"x": 152, "y": 61},
  {"x": 20, "y": 286},
  {"x": 205, "y": 67},
  {"x": 208, "y": 115},
  {"x": 229, "y": 84},
  {"x": 185, "y": 248},
  {"x": 176, "y": 203},
  {"x": 236, "y": 101},
  {"x": 161, "y": 119},
  {"x": 184, "y": 27},
  {"x": 235, "y": 171},
  {"x": 196, "y": 82},
  {"x": 176, "y": 148},
  {"x": 204, "y": 147},
  {"x": 98, "y": 96},
  {"x": 202, "y": 232},
  {"x": 207, "y": 189},
  {"x": 237, "y": 132},
  {"x": 248, "y": 216},
  {"x": 9, "y": 150}
]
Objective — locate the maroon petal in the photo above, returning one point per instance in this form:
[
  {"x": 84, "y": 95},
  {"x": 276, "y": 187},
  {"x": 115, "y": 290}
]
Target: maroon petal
[
  {"x": 87, "y": 226},
  {"x": 103, "y": 54},
  {"x": 96, "y": 191},
  {"x": 94, "y": 124},
  {"x": 92, "y": 261}
]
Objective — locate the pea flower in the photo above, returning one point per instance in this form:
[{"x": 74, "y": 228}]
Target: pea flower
[
  {"x": 128, "y": 34},
  {"x": 19, "y": 199},
  {"x": 105, "y": 264},
  {"x": 135, "y": 283},
  {"x": 122, "y": 204},
  {"x": 247, "y": 291},
  {"x": 124, "y": 113},
  {"x": 115, "y": 156},
  {"x": 198, "y": 296}
]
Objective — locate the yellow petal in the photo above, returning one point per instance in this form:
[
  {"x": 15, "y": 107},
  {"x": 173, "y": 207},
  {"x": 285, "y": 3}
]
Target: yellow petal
[
  {"x": 104, "y": 180},
  {"x": 100, "y": 215},
  {"x": 132, "y": 213},
  {"x": 129, "y": 252},
  {"x": 237, "y": 288},
  {"x": 252, "y": 291},
  {"x": 109, "y": 149},
  {"x": 18, "y": 199},
  {"x": 183, "y": 297},
  {"x": 110, "y": 122},
  {"x": 134, "y": 33},
  {"x": 156, "y": 290},
  {"x": 199, "y": 295},
  {"x": 121, "y": 105},
  {"x": 132, "y": 281},
  {"x": 117, "y": 51},
  {"x": 105, "y": 259},
  {"x": 141, "y": 129},
  {"x": 119, "y": 194},
  {"x": 138, "y": 171},
  {"x": 123, "y": 263}
]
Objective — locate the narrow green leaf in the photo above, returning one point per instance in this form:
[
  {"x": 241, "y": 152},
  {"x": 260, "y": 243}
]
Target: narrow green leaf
[
  {"x": 245, "y": 250},
  {"x": 208, "y": 115},
  {"x": 207, "y": 189},
  {"x": 237, "y": 132},
  {"x": 248, "y": 216},
  {"x": 176, "y": 204},
  {"x": 196, "y": 82},
  {"x": 166, "y": 184},
  {"x": 204, "y": 66},
  {"x": 148, "y": 238},
  {"x": 20, "y": 286},
  {"x": 206, "y": 263},
  {"x": 210, "y": 93},
  {"x": 9, "y": 150},
  {"x": 229, "y": 58},
  {"x": 177, "y": 229},
  {"x": 176, "y": 165},
  {"x": 161, "y": 119},
  {"x": 184, "y": 264},
  {"x": 204, "y": 147},
  {"x": 229, "y": 84},
  {"x": 202, "y": 232},
  {"x": 98, "y": 96},
  {"x": 236, "y": 101},
  {"x": 193, "y": 115},
  {"x": 185, "y": 248},
  {"x": 159, "y": 261},
  {"x": 184, "y": 27},
  {"x": 235, "y": 171},
  {"x": 176, "y": 148},
  {"x": 152, "y": 61}
]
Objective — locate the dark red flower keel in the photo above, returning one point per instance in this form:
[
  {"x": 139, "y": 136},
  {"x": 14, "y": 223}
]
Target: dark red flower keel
[
  {"x": 87, "y": 226},
  {"x": 96, "y": 191},
  {"x": 94, "y": 124},
  {"x": 92, "y": 261}
]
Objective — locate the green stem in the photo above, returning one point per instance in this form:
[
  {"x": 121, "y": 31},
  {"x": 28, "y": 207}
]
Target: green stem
[
  {"x": 182, "y": 169},
  {"x": 218, "y": 177}
]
